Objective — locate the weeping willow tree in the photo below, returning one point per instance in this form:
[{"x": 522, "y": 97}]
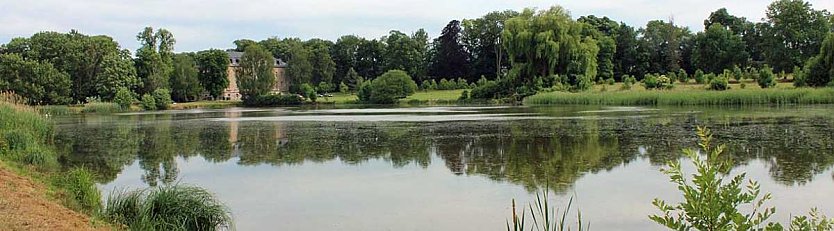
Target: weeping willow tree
[{"x": 548, "y": 45}]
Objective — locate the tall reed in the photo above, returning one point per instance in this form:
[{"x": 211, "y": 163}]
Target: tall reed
[
  {"x": 730, "y": 97},
  {"x": 545, "y": 216}
]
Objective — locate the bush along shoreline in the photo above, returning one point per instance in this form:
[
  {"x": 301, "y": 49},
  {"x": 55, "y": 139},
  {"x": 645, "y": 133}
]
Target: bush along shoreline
[{"x": 26, "y": 148}]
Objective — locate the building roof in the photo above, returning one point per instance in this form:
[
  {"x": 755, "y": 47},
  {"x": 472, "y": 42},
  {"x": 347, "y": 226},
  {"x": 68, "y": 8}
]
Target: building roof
[{"x": 236, "y": 56}]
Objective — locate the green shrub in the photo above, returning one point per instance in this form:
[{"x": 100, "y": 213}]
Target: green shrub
[
  {"x": 699, "y": 77},
  {"x": 80, "y": 185},
  {"x": 309, "y": 92},
  {"x": 817, "y": 74},
  {"x": 820, "y": 69},
  {"x": 388, "y": 88},
  {"x": 462, "y": 84},
  {"x": 124, "y": 98},
  {"x": 683, "y": 77},
  {"x": 610, "y": 81},
  {"x": 464, "y": 95},
  {"x": 343, "y": 88},
  {"x": 766, "y": 78},
  {"x": 799, "y": 78},
  {"x": 483, "y": 80},
  {"x": 426, "y": 85},
  {"x": 162, "y": 98},
  {"x": 738, "y": 74},
  {"x": 657, "y": 82},
  {"x": 148, "y": 102},
  {"x": 711, "y": 199},
  {"x": 446, "y": 85},
  {"x": 719, "y": 83},
  {"x": 173, "y": 207}
]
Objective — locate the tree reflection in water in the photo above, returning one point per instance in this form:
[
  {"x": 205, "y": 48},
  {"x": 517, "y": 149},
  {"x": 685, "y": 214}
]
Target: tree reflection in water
[{"x": 524, "y": 152}]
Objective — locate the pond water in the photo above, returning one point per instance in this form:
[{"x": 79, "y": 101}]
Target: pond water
[{"x": 448, "y": 168}]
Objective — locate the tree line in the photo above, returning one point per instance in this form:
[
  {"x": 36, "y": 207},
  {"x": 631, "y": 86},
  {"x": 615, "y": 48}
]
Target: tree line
[{"x": 505, "y": 52}]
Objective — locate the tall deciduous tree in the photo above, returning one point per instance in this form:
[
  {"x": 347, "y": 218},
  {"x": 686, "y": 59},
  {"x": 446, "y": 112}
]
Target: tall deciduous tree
[
  {"x": 323, "y": 65},
  {"x": 625, "y": 59},
  {"x": 212, "y": 67},
  {"x": 299, "y": 68},
  {"x": 406, "y": 53},
  {"x": 718, "y": 49},
  {"x": 345, "y": 56},
  {"x": 662, "y": 40},
  {"x": 95, "y": 64},
  {"x": 38, "y": 81},
  {"x": 370, "y": 58},
  {"x": 255, "y": 76},
  {"x": 794, "y": 33},
  {"x": 154, "y": 59},
  {"x": 185, "y": 81},
  {"x": 482, "y": 38},
  {"x": 118, "y": 72},
  {"x": 450, "y": 59},
  {"x": 602, "y": 30}
]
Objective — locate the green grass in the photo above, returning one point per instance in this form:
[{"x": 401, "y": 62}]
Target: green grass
[
  {"x": 174, "y": 207},
  {"x": 84, "y": 196},
  {"x": 438, "y": 95},
  {"x": 688, "y": 96},
  {"x": 419, "y": 97},
  {"x": 205, "y": 104}
]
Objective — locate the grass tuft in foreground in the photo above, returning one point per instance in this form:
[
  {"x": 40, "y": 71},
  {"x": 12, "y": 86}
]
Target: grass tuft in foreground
[
  {"x": 545, "y": 216},
  {"x": 80, "y": 184},
  {"x": 175, "y": 207}
]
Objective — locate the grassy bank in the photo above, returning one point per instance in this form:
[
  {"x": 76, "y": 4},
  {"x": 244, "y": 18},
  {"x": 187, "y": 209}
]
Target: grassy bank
[
  {"x": 27, "y": 149},
  {"x": 687, "y": 95}
]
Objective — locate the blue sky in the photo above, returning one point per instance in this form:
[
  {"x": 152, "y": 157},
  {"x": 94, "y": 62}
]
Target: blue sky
[{"x": 203, "y": 24}]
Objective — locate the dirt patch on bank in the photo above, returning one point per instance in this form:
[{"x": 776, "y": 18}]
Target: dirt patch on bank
[{"x": 24, "y": 206}]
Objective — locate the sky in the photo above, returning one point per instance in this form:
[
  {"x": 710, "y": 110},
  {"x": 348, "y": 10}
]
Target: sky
[{"x": 204, "y": 24}]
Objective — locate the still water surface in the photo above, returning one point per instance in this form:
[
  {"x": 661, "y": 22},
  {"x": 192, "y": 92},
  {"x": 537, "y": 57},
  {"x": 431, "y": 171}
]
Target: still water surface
[{"x": 447, "y": 168}]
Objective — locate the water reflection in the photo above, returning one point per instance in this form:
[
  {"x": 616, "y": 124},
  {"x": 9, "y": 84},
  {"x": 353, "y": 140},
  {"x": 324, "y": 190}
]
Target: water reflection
[{"x": 556, "y": 149}]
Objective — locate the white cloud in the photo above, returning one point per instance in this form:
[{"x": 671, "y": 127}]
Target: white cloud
[{"x": 201, "y": 24}]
